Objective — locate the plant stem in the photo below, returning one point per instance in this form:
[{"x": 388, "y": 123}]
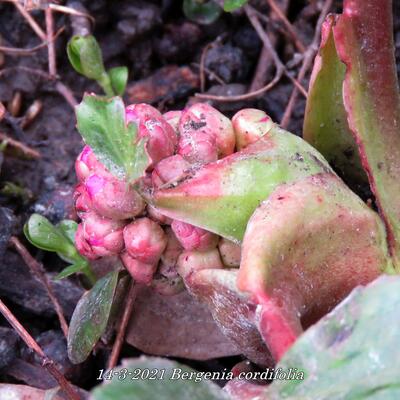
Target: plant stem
[
  {"x": 105, "y": 84},
  {"x": 87, "y": 270}
]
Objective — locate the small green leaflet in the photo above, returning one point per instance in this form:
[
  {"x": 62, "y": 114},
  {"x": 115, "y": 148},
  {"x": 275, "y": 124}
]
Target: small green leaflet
[
  {"x": 101, "y": 122},
  {"x": 202, "y": 12},
  {"x": 232, "y": 5},
  {"x": 119, "y": 79},
  {"x": 90, "y": 317}
]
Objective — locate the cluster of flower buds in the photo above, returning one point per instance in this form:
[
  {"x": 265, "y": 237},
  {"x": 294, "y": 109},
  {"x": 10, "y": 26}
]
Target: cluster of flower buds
[{"x": 115, "y": 219}]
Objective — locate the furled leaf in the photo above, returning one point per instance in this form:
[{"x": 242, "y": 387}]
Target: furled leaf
[
  {"x": 221, "y": 196},
  {"x": 364, "y": 41},
  {"x": 169, "y": 387},
  {"x": 202, "y": 12},
  {"x": 305, "y": 248},
  {"x": 325, "y": 120},
  {"x": 44, "y": 235},
  {"x": 101, "y": 122},
  {"x": 84, "y": 54},
  {"x": 90, "y": 317},
  {"x": 119, "y": 79},
  {"x": 349, "y": 354},
  {"x": 232, "y": 5}
]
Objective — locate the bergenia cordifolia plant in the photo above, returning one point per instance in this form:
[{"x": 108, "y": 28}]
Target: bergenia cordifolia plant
[{"x": 252, "y": 219}]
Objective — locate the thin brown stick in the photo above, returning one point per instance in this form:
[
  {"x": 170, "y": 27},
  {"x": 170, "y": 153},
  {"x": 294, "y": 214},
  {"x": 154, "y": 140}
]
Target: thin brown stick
[
  {"x": 33, "y": 71},
  {"x": 280, "y": 69},
  {"x": 262, "y": 71},
  {"x": 46, "y": 361},
  {"x": 28, "y": 52},
  {"x": 22, "y": 148},
  {"x": 71, "y": 11},
  {"x": 212, "y": 74},
  {"x": 50, "y": 41},
  {"x": 37, "y": 269},
  {"x": 291, "y": 31},
  {"x": 119, "y": 340},
  {"x": 34, "y": 25},
  {"x": 66, "y": 92},
  {"x": 307, "y": 60}
]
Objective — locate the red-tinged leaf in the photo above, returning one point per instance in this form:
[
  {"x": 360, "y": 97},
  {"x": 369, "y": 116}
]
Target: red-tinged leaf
[
  {"x": 305, "y": 248},
  {"x": 177, "y": 326},
  {"x": 325, "y": 120},
  {"x": 234, "y": 311},
  {"x": 221, "y": 196},
  {"x": 364, "y": 41}
]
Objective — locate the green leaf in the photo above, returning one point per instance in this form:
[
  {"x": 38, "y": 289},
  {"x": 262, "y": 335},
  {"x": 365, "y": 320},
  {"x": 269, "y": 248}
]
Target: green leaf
[
  {"x": 364, "y": 42},
  {"x": 202, "y": 12},
  {"x": 101, "y": 122},
  {"x": 85, "y": 56},
  {"x": 244, "y": 179},
  {"x": 325, "y": 121},
  {"x": 119, "y": 79},
  {"x": 68, "y": 227},
  {"x": 351, "y": 352},
  {"x": 71, "y": 269},
  {"x": 169, "y": 387},
  {"x": 232, "y": 5},
  {"x": 90, "y": 317},
  {"x": 44, "y": 235}
]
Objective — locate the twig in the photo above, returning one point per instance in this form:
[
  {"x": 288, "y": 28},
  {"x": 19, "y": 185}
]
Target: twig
[
  {"x": 291, "y": 31},
  {"x": 119, "y": 340},
  {"x": 280, "y": 69},
  {"x": 33, "y": 71},
  {"x": 27, "y": 151},
  {"x": 262, "y": 70},
  {"x": 71, "y": 11},
  {"x": 28, "y": 52},
  {"x": 307, "y": 60},
  {"x": 50, "y": 41},
  {"x": 34, "y": 25},
  {"x": 212, "y": 74},
  {"x": 202, "y": 65},
  {"x": 66, "y": 92},
  {"x": 37, "y": 269},
  {"x": 45, "y": 361}
]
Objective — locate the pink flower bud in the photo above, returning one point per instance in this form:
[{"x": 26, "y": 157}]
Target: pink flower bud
[
  {"x": 145, "y": 240},
  {"x": 156, "y": 216},
  {"x": 171, "y": 169},
  {"x": 140, "y": 271},
  {"x": 103, "y": 235},
  {"x": 162, "y": 139},
  {"x": 87, "y": 163},
  {"x": 170, "y": 255},
  {"x": 192, "y": 237},
  {"x": 191, "y": 261},
  {"x": 113, "y": 198},
  {"x": 249, "y": 125},
  {"x": 83, "y": 246},
  {"x": 205, "y": 134},
  {"x": 198, "y": 147},
  {"x": 230, "y": 253},
  {"x": 82, "y": 200},
  {"x": 173, "y": 117}
]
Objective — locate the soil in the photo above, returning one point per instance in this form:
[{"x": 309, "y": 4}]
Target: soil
[{"x": 163, "y": 51}]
